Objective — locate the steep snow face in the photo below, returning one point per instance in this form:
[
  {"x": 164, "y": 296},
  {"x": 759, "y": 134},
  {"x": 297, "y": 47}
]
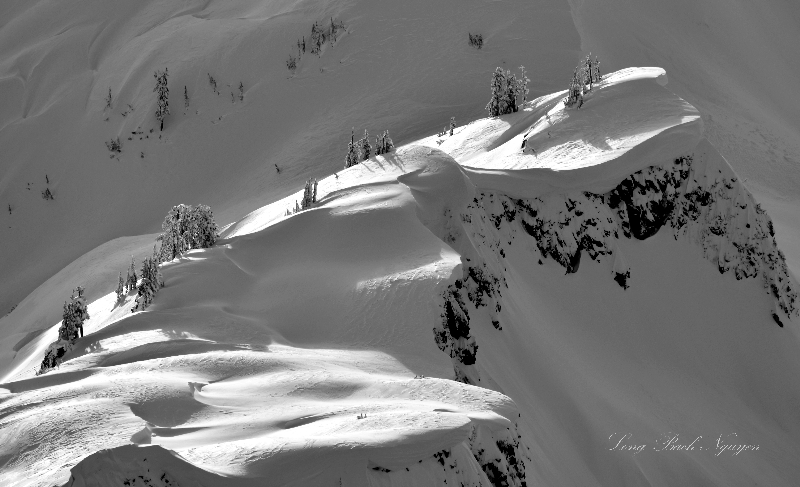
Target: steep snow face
[
  {"x": 394, "y": 67},
  {"x": 730, "y": 60},
  {"x": 575, "y": 308},
  {"x": 640, "y": 304},
  {"x": 280, "y": 355}
]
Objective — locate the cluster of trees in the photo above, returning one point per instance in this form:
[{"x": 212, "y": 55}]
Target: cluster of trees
[
  {"x": 127, "y": 285},
  {"x": 184, "y": 228},
  {"x": 475, "y": 40},
  {"x": 75, "y": 314},
  {"x": 309, "y": 198},
  {"x": 451, "y": 127},
  {"x": 508, "y": 91},
  {"x": 585, "y": 75},
  {"x": 114, "y": 145},
  {"x": 361, "y": 150},
  {"x": 319, "y": 34},
  {"x": 149, "y": 283}
]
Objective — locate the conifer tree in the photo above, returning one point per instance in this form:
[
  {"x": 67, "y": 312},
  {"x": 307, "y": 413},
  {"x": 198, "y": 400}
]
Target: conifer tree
[
  {"x": 309, "y": 194},
  {"x": 184, "y": 228},
  {"x": 388, "y": 145},
  {"x": 132, "y": 277},
  {"x": 317, "y": 38},
  {"x": 597, "y": 76},
  {"x": 185, "y": 97},
  {"x": 452, "y": 124},
  {"x": 588, "y": 72},
  {"x": 149, "y": 285},
  {"x": 522, "y": 86},
  {"x": 499, "y": 87},
  {"x": 241, "y": 91},
  {"x": 75, "y": 313},
  {"x": 351, "y": 159},
  {"x": 162, "y": 109},
  {"x": 108, "y": 99},
  {"x": 366, "y": 148},
  {"x": 120, "y": 288}
]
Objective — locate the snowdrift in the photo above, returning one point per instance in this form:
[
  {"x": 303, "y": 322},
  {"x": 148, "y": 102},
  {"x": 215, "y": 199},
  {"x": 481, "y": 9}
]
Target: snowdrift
[{"x": 467, "y": 309}]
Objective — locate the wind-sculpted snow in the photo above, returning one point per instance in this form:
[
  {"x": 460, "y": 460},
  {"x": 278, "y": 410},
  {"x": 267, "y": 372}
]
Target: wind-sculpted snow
[
  {"x": 425, "y": 323},
  {"x": 696, "y": 200}
]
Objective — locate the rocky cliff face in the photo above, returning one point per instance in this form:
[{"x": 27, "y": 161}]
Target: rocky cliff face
[{"x": 695, "y": 197}]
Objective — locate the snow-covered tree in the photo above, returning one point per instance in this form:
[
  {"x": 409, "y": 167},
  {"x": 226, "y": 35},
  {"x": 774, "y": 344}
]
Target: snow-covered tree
[
  {"x": 596, "y": 75},
  {"x": 452, "y": 124},
  {"x": 162, "y": 108},
  {"x": 575, "y": 90},
  {"x": 75, "y": 313},
  {"x": 317, "y": 38},
  {"x": 365, "y": 149},
  {"x": 522, "y": 86},
  {"x": 132, "y": 277},
  {"x": 499, "y": 87},
  {"x": 351, "y": 159},
  {"x": 120, "y": 288},
  {"x": 511, "y": 92},
  {"x": 333, "y": 29},
  {"x": 508, "y": 92},
  {"x": 184, "y": 228},
  {"x": 150, "y": 283},
  {"x": 309, "y": 194},
  {"x": 241, "y": 91},
  {"x": 108, "y": 99},
  {"x": 388, "y": 145},
  {"x": 476, "y": 40}
]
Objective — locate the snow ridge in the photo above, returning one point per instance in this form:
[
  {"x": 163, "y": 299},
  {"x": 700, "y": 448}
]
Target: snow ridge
[
  {"x": 697, "y": 196},
  {"x": 696, "y": 199}
]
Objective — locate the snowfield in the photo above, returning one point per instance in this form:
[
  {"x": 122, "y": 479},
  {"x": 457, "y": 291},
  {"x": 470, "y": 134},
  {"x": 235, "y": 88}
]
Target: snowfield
[
  {"x": 557, "y": 296},
  {"x": 630, "y": 293}
]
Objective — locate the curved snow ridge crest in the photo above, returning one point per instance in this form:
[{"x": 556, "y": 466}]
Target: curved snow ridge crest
[
  {"x": 488, "y": 456},
  {"x": 697, "y": 196}
]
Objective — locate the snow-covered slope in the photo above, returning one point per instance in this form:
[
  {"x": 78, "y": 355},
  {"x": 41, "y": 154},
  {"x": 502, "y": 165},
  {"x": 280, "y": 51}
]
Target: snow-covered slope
[
  {"x": 733, "y": 60},
  {"x": 402, "y": 66},
  {"x": 584, "y": 306}
]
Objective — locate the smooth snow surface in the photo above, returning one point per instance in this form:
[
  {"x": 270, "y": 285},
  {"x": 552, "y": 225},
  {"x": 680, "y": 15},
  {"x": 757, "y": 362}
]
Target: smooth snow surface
[{"x": 320, "y": 348}]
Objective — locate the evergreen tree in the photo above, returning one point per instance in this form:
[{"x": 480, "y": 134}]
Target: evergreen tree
[
  {"x": 588, "y": 71},
  {"x": 452, "y": 124},
  {"x": 309, "y": 194},
  {"x": 522, "y": 86},
  {"x": 388, "y": 145},
  {"x": 185, "y": 97},
  {"x": 351, "y": 159},
  {"x": 108, "y": 99},
  {"x": 332, "y": 36},
  {"x": 120, "y": 288},
  {"x": 597, "y": 76},
  {"x": 184, "y": 228},
  {"x": 317, "y": 38},
  {"x": 511, "y": 93},
  {"x": 75, "y": 313},
  {"x": 132, "y": 277},
  {"x": 241, "y": 91},
  {"x": 575, "y": 91},
  {"x": 149, "y": 285},
  {"x": 499, "y": 87},
  {"x": 366, "y": 148},
  {"x": 162, "y": 110}
]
